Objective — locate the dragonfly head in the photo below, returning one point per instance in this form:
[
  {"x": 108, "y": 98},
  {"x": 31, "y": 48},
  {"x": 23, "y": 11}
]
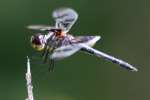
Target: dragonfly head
[{"x": 37, "y": 42}]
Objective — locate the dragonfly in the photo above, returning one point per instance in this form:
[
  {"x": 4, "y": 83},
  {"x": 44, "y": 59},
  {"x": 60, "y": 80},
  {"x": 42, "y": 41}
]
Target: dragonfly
[{"x": 58, "y": 44}]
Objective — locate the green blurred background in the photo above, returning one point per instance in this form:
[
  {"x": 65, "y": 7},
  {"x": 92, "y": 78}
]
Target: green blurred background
[{"x": 124, "y": 28}]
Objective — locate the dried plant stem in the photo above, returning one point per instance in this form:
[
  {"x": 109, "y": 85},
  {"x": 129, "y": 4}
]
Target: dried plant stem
[{"x": 29, "y": 81}]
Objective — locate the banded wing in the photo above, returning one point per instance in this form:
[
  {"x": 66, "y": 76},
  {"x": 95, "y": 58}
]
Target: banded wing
[
  {"x": 70, "y": 47},
  {"x": 64, "y": 51},
  {"x": 65, "y": 18}
]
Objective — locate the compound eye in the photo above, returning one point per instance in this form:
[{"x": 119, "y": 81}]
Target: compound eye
[{"x": 35, "y": 40}]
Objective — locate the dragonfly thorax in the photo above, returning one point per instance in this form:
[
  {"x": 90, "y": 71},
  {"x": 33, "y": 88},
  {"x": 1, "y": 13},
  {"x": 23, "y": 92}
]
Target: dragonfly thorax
[{"x": 58, "y": 32}]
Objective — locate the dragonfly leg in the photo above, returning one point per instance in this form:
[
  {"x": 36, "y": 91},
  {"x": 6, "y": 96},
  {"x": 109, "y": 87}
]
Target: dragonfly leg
[
  {"x": 46, "y": 47},
  {"x": 51, "y": 65},
  {"x": 45, "y": 56}
]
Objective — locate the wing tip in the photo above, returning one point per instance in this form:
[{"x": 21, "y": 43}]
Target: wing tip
[
  {"x": 63, "y": 9},
  {"x": 29, "y": 27}
]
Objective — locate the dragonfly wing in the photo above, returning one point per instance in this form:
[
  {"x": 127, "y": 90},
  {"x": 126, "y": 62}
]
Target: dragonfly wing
[
  {"x": 67, "y": 50},
  {"x": 40, "y": 27},
  {"x": 87, "y": 40},
  {"x": 64, "y": 51},
  {"x": 65, "y": 18}
]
